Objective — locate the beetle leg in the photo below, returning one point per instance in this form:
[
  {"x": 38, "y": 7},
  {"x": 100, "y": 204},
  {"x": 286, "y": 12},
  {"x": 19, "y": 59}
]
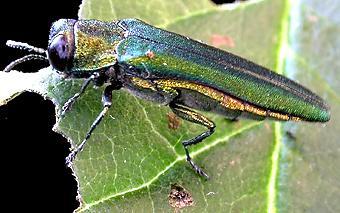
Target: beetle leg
[
  {"x": 194, "y": 117},
  {"x": 107, "y": 102},
  {"x": 67, "y": 106}
]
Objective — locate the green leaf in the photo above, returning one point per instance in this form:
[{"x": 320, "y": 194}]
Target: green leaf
[
  {"x": 133, "y": 158},
  {"x": 309, "y": 174}
]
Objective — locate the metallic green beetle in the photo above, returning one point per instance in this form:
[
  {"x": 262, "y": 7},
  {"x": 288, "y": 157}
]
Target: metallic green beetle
[{"x": 173, "y": 70}]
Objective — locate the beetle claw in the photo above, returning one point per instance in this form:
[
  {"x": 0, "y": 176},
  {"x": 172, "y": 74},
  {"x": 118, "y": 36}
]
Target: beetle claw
[{"x": 197, "y": 169}]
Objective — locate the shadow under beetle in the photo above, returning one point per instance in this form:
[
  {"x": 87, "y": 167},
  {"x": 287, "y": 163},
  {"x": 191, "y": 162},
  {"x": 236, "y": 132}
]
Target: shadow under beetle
[{"x": 172, "y": 70}]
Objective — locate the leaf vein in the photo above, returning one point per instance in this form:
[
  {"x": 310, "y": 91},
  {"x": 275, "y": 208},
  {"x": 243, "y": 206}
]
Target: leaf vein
[
  {"x": 147, "y": 119},
  {"x": 178, "y": 159}
]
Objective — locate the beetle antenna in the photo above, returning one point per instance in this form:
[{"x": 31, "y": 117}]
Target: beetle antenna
[
  {"x": 24, "y": 59},
  {"x": 29, "y": 48},
  {"x": 25, "y": 46}
]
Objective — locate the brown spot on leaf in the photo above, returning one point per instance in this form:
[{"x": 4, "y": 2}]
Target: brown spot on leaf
[
  {"x": 179, "y": 197},
  {"x": 220, "y": 40},
  {"x": 174, "y": 121}
]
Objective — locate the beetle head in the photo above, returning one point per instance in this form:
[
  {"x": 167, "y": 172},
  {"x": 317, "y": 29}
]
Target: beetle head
[{"x": 60, "y": 50}]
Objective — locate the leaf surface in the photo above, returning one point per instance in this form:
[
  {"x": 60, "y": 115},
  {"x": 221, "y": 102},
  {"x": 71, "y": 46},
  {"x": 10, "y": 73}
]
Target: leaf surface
[{"x": 133, "y": 156}]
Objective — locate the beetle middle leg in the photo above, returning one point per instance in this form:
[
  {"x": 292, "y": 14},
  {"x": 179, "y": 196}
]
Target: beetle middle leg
[
  {"x": 189, "y": 115},
  {"x": 107, "y": 102}
]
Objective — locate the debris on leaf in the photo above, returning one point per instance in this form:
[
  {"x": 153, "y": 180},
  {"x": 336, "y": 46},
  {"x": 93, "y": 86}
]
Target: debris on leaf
[{"x": 179, "y": 197}]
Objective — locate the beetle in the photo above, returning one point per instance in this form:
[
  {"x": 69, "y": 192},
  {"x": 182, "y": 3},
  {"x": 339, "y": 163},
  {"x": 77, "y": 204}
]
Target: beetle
[{"x": 173, "y": 70}]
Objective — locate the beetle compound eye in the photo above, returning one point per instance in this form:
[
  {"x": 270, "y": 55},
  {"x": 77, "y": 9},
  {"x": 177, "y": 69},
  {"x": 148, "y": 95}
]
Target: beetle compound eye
[{"x": 60, "y": 53}]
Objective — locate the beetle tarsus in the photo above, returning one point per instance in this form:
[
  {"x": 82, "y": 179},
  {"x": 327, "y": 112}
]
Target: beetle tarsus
[
  {"x": 70, "y": 158},
  {"x": 197, "y": 169},
  {"x": 80, "y": 147},
  {"x": 193, "y": 141}
]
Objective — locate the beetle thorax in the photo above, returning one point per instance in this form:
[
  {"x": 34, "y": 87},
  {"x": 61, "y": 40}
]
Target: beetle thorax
[{"x": 95, "y": 44}]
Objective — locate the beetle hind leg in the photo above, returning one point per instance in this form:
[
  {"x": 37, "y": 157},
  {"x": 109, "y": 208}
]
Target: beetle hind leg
[{"x": 194, "y": 117}]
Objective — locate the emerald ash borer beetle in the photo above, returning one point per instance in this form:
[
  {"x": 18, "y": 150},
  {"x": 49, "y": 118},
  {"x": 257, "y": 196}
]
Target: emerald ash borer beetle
[{"x": 172, "y": 70}]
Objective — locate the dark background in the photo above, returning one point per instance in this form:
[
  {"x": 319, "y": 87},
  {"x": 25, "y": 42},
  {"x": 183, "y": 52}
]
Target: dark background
[{"x": 33, "y": 156}]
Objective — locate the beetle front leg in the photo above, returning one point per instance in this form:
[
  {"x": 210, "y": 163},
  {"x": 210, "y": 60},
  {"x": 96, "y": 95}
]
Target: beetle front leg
[
  {"x": 107, "y": 102},
  {"x": 194, "y": 117},
  {"x": 67, "y": 106}
]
